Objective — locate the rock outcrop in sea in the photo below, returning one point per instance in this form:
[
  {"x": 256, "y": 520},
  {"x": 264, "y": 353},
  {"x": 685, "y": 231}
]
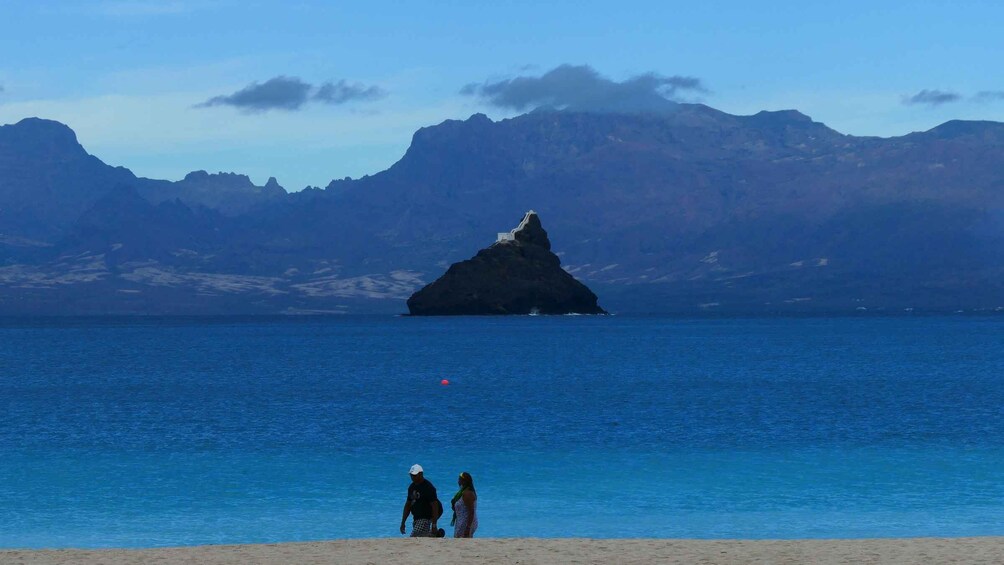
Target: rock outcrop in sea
[{"x": 518, "y": 274}]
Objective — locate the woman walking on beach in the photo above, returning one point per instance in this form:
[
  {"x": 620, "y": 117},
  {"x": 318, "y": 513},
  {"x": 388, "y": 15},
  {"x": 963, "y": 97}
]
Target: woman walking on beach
[{"x": 465, "y": 506}]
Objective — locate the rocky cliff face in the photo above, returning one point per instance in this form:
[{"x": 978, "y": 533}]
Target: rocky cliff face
[{"x": 521, "y": 276}]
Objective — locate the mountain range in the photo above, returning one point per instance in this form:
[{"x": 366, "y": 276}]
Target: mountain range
[{"x": 688, "y": 211}]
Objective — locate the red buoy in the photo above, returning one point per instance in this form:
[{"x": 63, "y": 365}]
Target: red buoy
[{"x": 444, "y": 382}]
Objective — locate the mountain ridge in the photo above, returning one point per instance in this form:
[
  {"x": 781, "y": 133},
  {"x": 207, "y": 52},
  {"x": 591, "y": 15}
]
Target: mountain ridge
[{"x": 688, "y": 211}]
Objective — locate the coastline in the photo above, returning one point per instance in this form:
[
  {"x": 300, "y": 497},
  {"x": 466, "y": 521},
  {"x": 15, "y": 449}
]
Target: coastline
[{"x": 526, "y": 551}]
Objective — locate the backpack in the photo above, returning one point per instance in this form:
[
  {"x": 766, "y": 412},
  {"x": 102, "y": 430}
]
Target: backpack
[{"x": 437, "y": 509}]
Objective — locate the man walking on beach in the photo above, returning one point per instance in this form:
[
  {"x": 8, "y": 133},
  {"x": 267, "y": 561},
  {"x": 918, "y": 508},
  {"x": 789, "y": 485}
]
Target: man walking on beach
[{"x": 421, "y": 504}]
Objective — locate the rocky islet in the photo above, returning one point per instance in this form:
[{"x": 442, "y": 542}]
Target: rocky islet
[{"x": 518, "y": 274}]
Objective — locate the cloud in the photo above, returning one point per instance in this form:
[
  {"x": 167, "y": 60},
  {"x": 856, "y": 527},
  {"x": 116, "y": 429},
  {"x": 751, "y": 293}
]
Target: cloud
[
  {"x": 292, "y": 93},
  {"x": 984, "y": 96},
  {"x": 580, "y": 87},
  {"x": 279, "y": 93},
  {"x": 932, "y": 98},
  {"x": 341, "y": 92},
  {"x": 1, "y": 88}
]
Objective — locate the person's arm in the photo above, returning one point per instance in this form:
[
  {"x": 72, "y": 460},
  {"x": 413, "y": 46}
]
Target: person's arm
[
  {"x": 471, "y": 502},
  {"x": 407, "y": 510}
]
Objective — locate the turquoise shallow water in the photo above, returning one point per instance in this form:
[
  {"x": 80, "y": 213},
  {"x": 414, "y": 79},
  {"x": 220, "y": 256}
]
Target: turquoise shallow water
[{"x": 175, "y": 432}]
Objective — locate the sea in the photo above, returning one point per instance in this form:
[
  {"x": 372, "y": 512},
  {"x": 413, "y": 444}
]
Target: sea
[{"x": 152, "y": 432}]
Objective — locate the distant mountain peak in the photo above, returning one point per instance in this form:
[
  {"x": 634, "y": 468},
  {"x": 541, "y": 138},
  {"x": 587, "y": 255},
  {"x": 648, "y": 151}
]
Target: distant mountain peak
[
  {"x": 196, "y": 176},
  {"x": 230, "y": 193},
  {"x": 234, "y": 180},
  {"x": 37, "y": 136},
  {"x": 782, "y": 116},
  {"x": 478, "y": 118},
  {"x": 781, "y": 119},
  {"x": 42, "y": 126},
  {"x": 961, "y": 128},
  {"x": 273, "y": 184}
]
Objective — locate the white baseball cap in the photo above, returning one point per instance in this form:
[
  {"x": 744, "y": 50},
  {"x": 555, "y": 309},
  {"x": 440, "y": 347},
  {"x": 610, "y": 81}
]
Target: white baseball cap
[{"x": 415, "y": 469}]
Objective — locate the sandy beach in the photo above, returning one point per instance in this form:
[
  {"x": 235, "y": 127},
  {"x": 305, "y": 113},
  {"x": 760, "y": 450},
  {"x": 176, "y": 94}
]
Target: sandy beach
[{"x": 527, "y": 551}]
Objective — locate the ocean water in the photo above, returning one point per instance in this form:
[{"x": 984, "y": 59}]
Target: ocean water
[{"x": 138, "y": 433}]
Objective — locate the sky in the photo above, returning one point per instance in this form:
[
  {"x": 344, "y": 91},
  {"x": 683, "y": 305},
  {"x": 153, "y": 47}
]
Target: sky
[{"x": 311, "y": 91}]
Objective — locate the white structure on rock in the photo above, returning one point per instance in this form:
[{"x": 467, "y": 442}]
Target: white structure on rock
[{"x": 510, "y": 236}]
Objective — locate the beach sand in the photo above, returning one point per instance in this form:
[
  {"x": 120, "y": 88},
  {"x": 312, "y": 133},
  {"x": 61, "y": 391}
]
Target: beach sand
[{"x": 527, "y": 551}]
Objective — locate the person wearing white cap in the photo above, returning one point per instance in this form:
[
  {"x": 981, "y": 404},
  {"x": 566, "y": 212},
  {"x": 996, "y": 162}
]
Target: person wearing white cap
[{"x": 421, "y": 504}]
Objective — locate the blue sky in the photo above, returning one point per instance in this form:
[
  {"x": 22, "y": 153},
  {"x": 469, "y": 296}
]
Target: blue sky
[{"x": 133, "y": 77}]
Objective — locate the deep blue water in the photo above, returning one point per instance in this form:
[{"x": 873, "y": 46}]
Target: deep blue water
[{"x": 177, "y": 432}]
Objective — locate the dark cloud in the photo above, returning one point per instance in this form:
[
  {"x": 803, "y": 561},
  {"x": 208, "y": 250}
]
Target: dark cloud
[
  {"x": 932, "y": 98},
  {"x": 341, "y": 92},
  {"x": 580, "y": 87},
  {"x": 279, "y": 93},
  {"x": 291, "y": 93},
  {"x": 989, "y": 96}
]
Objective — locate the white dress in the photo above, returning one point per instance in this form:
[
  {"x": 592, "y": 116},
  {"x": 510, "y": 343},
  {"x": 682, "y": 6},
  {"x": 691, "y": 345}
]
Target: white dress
[{"x": 464, "y": 517}]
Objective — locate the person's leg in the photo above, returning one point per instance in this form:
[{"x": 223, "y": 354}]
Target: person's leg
[{"x": 421, "y": 528}]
